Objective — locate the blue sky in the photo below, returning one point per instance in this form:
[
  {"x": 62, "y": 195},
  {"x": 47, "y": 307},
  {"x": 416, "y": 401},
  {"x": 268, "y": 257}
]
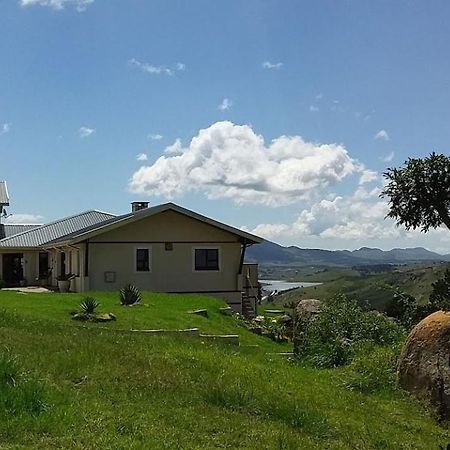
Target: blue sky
[{"x": 88, "y": 85}]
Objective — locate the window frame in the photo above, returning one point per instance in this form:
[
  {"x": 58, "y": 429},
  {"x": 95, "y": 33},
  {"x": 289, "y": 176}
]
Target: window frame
[
  {"x": 135, "y": 253},
  {"x": 207, "y": 247}
]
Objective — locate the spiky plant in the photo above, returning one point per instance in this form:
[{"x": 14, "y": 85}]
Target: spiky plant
[
  {"x": 89, "y": 305},
  {"x": 130, "y": 295}
]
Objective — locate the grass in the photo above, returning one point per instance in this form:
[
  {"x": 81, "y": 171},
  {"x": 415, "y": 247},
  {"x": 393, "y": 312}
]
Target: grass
[{"x": 101, "y": 389}]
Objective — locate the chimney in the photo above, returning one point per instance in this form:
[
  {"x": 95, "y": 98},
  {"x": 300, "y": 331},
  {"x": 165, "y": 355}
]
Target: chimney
[{"x": 137, "y": 206}]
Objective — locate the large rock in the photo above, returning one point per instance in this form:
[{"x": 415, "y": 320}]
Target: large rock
[
  {"x": 304, "y": 314},
  {"x": 424, "y": 364}
]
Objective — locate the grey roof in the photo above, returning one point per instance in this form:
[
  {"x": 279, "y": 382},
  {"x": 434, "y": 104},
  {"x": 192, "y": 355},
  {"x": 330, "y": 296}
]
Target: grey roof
[
  {"x": 55, "y": 230},
  {"x": 4, "y": 199},
  {"x": 117, "y": 221},
  {"x": 11, "y": 229}
]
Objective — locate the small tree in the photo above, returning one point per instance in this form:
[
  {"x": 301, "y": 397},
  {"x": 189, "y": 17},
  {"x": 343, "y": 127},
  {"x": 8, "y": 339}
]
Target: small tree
[
  {"x": 440, "y": 296},
  {"x": 419, "y": 192}
]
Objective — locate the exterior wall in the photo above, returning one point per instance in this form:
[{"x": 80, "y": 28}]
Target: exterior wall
[{"x": 171, "y": 271}]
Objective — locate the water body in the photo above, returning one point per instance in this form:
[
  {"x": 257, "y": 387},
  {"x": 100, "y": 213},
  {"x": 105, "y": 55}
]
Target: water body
[{"x": 279, "y": 285}]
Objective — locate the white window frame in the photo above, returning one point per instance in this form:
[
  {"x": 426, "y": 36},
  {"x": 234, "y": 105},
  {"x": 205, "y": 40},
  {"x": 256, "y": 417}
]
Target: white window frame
[
  {"x": 142, "y": 247},
  {"x": 207, "y": 247}
]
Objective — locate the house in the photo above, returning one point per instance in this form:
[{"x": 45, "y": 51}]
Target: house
[{"x": 164, "y": 248}]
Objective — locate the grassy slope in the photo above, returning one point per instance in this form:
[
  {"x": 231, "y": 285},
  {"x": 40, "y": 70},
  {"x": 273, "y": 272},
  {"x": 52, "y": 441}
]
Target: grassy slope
[
  {"x": 108, "y": 390},
  {"x": 375, "y": 289}
]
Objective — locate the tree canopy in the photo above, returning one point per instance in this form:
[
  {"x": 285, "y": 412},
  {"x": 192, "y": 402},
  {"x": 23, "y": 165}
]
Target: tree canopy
[{"x": 419, "y": 192}]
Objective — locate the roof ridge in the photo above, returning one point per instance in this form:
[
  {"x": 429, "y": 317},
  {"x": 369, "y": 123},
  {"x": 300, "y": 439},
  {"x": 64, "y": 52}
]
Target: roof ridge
[{"x": 54, "y": 223}]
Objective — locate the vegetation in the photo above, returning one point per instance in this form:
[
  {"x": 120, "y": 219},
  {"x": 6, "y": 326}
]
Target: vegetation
[
  {"x": 440, "y": 296},
  {"x": 341, "y": 327},
  {"x": 88, "y": 305},
  {"x": 419, "y": 192},
  {"x": 130, "y": 295},
  {"x": 98, "y": 388}
]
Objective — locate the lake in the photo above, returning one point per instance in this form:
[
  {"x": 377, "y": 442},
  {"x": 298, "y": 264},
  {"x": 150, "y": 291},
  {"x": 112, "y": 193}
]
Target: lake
[{"x": 279, "y": 285}]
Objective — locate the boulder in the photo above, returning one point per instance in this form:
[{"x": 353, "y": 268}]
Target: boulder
[
  {"x": 104, "y": 317},
  {"x": 226, "y": 311},
  {"x": 304, "y": 314},
  {"x": 200, "y": 312},
  {"x": 424, "y": 364}
]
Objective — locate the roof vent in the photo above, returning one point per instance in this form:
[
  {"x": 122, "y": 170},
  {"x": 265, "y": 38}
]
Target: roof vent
[{"x": 137, "y": 206}]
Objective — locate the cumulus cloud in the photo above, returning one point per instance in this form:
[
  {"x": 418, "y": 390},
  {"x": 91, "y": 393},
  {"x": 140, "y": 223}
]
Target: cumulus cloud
[
  {"x": 272, "y": 66},
  {"x": 232, "y": 161},
  {"x": 155, "y": 137},
  {"x": 226, "y": 104},
  {"x": 142, "y": 157},
  {"x": 24, "y": 219},
  {"x": 5, "y": 128},
  {"x": 85, "y": 132},
  {"x": 358, "y": 216},
  {"x": 80, "y": 5},
  {"x": 382, "y": 135},
  {"x": 314, "y": 108},
  {"x": 156, "y": 70}
]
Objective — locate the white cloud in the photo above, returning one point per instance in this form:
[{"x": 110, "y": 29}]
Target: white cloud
[
  {"x": 226, "y": 104},
  {"x": 269, "y": 230},
  {"x": 382, "y": 135},
  {"x": 80, "y": 5},
  {"x": 155, "y": 137},
  {"x": 85, "y": 132},
  {"x": 272, "y": 66},
  {"x": 232, "y": 161},
  {"x": 142, "y": 157},
  {"x": 313, "y": 108},
  {"x": 5, "y": 128},
  {"x": 24, "y": 219},
  {"x": 389, "y": 157},
  {"x": 368, "y": 176},
  {"x": 319, "y": 96},
  {"x": 175, "y": 149},
  {"x": 156, "y": 70}
]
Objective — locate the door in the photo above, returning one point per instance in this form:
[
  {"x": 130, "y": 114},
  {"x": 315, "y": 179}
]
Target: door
[{"x": 12, "y": 268}]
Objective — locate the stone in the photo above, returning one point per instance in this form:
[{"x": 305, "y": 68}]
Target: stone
[
  {"x": 304, "y": 314},
  {"x": 226, "y": 311},
  {"x": 200, "y": 312},
  {"x": 274, "y": 311},
  {"x": 81, "y": 317},
  {"x": 104, "y": 317},
  {"x": 424, "y": 363},
  {"x": 285, "y": 320}
]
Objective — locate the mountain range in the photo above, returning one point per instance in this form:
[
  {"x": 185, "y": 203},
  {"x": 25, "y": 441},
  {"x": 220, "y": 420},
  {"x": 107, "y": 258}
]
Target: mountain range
[{"x": 270, "y": 253}]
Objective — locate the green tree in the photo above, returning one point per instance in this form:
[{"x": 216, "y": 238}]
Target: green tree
[
  {"x": 440, "y": 296},
  {"x": 419, "y": 192}
]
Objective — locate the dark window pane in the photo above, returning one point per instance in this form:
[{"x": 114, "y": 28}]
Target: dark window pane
[
  {"x": 43, "y": 265},
  {"x": 142, "y": 260},
  {"x": 206, "y": 259}
]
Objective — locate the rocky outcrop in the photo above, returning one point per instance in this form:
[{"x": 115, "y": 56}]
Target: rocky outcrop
[{"x": 424, "y": 364}]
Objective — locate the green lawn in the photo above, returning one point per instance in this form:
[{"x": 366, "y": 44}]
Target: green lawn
[{"x": 88, "y": 388}]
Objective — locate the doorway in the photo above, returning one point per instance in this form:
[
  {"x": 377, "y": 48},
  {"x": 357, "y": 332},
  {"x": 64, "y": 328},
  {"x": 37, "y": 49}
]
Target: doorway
[{"x": 12, "y": 269}]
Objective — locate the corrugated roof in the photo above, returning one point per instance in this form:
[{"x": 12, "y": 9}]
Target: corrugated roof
[
  {"x": 4, "y": 199},
  {"x": 55, "y": 230},
  {"x": 131, "y": 217},
  {"x": 11, "y": 229}
]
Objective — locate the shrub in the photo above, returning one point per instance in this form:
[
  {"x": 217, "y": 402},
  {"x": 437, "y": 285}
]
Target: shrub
[
  {"x": 130, "y": 295},
  {"x": 373, "y": 369},
  {"x": 440, "y": 296},
  {"x": 89, "y": 305},
  {"x": 332, "y": 338}
]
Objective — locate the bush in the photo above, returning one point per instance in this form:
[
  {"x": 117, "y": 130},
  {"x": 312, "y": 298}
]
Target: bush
[
  {"x": 89, "y": 305},
  {"x": 333, "y": 337},
  {"x": 373, "y": 369},
  {"x": 130, "y": 295},
  {"x": 440, "y": 296}
]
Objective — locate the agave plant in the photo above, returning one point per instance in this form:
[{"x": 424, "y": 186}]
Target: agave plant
[
  {"x": 89, "y": 305},
  {"x": 130, "y": 295}
]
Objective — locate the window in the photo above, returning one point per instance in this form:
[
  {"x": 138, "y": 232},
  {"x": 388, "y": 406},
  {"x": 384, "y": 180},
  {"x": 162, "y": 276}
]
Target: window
[
  {"x": 142, "y": 260},
  {"x": 43, "y": 266},
  {"x": 206, "y": 259}
]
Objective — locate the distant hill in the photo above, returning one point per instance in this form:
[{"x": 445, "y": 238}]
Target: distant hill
[{"x": 271, "y": 253}]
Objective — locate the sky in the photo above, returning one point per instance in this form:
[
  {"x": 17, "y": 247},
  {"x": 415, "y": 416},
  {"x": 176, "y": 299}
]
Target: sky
[{"x": 275, "y": 117}]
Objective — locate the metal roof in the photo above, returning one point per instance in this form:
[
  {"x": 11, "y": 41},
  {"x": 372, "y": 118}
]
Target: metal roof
[
  {"x": 4, "y": 199},
  {"x": 55, "y": 230},
  {"x": 11, "y": 229},
  {"x": 118, "y": 221}
]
